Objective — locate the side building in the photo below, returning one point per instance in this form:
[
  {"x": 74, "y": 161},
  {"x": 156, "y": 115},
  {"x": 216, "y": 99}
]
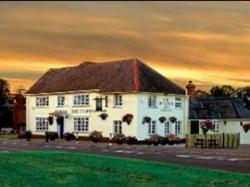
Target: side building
[{"x": 125, "y": 96}]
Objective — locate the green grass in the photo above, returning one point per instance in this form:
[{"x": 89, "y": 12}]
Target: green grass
[{"x": 77, "y": 169}]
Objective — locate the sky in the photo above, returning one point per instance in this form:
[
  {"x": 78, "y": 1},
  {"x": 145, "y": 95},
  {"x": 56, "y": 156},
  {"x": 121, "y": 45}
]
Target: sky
[{"x": 207, "y": 42}]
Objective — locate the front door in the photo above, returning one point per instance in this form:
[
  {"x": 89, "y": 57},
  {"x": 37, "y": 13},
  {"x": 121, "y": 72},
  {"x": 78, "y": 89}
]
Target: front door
[
  {"x": 194, "y": 127},
  {"x": 60, "y": 127}
]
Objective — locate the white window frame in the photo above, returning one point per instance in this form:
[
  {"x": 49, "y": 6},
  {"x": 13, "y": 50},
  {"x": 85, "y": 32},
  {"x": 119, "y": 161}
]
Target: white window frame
[
  {"x": 117, "y": 100},
  {"x": 60, "y": 100},
  {"x": 152, "y": 101},
  {"x": 178, "y": 102},
  {"x": 167, "y": 128},
  {"x": 42, "y": 101},
  {"x": 117, "y": 126},
  {"x": 42, "y": 124},
  {"x": 81, "y": 100},
  {"x": 81, "y": 124},
  {"x": 178, "y": 127},
  {"x": 152, "y": 128},
  {"x": 216, "y": 126}
]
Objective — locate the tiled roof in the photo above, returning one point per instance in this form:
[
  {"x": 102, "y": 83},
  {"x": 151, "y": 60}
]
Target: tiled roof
[
  {"x": 118, "y": 76},
  {"x": 218, "y": 108}
]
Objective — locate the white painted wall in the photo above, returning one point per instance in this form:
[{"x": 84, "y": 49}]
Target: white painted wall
[{"x": 133, "y": 103}]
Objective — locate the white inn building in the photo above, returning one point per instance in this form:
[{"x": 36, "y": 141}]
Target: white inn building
[{"x": 124, "y": 96}]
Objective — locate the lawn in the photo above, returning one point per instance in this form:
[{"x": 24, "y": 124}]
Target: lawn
[{"x": 77, "y": 169}]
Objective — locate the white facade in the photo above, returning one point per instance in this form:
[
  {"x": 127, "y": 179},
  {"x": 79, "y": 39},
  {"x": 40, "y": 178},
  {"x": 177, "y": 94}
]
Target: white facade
[
  {"x": 136, "y": 104},
  {"x": 228, "y": 126}
]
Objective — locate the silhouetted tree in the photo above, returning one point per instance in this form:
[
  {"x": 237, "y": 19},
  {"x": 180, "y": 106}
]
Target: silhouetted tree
[{"x": 224, "y": 90}]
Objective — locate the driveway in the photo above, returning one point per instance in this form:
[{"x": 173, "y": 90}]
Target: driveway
[{"x": 237, "y": 160}]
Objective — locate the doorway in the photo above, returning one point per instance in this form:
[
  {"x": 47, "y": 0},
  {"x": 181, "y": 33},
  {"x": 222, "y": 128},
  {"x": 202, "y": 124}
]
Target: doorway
[
  {"x": 60, "y": 127},
  {"x": 194, "y": 127}
]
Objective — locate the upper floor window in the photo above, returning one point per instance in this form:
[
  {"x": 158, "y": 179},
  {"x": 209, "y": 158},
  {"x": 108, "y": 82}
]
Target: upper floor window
[
  {"x": 177, "y": 127},
  {"x": 81, "y": 100},
  {"x": 177, "y": 102},
  {"x": 81, "y": 124},
  {"x": 117, "y": 100},
  {"x": 42, "y": 101},
  {"x": 152, "y": 128},
  {"x": 215, "y": 126},
  {"x": 42, "y": 124},
  {"x": 60, "y": 100},
  {"x": 152, "y": 101},
  {"x": 106, "y": 101}
]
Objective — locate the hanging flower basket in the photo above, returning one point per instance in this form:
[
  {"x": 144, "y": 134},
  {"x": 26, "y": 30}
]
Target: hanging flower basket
[
  {"x": 246, "y": 127},
  {"x": 172, "y": 119},
  {"x": 206, "y": 126},
  {"x": 127, "y": 118},
  {"x": 146, "y": 119},
  {"x": 103, "y": 116},
  {"x": 50, "y": 119},
  {"x": 162, "y": 119},
  {"x": 59, "y": 120}
]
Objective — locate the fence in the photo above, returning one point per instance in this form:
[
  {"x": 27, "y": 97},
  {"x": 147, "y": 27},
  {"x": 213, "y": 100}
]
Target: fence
[{"x": 224, "y": 140}]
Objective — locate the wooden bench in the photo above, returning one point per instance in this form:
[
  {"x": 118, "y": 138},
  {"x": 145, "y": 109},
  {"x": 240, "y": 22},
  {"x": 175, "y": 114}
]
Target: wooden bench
[
  {"x": 212, "y": 143},
  {"x": 199, "y": 142}
]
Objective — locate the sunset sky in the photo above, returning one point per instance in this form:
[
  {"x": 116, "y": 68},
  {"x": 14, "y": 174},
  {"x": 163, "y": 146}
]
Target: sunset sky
[{"x": 207, "y": 42}]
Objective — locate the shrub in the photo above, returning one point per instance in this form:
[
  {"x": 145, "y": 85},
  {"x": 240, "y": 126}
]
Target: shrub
[
  {"x": 69, "y": 136},
  {"x": 95, "y": 136},
  {"x": 154, "y": 139},
  {"x": 174, "y": 139},
  {"x": 131, "y": 140},
  {"x": 119, "y": 138},
  {"x": 52, "y": 135},
  {"x": 21, "y": 135},
  {"x": 28, "y": 135}
]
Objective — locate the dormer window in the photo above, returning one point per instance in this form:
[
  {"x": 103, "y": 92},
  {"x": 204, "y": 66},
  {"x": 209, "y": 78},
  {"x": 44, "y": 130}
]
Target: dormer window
[
  {"x": 117, "y": 100},
  {"x": 60, "y": 100},
  {"x": 152, "y": 101}
]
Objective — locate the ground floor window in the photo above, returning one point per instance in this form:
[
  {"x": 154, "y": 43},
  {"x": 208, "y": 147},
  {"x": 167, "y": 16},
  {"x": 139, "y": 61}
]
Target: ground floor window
[
  {"x": 152, "y": 127},
  {"x": 167, "y": 128},
  {"x": 215, "y": 126},
  {"x": 41, "y": 124},
  {"x": 117, "y": 126},
  {"x": 81, "y": 124},
  {"x": 178, "y": 127}
]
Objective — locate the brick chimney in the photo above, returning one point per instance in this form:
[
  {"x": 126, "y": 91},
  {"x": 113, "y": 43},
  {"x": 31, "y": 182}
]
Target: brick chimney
[{"x": 191, "y": 90}]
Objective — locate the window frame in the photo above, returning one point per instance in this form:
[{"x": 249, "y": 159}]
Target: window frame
[
  {"x": 152, "y": 127},
  {"x": 167, "y": 129},
  {"x": 42, "y": 101},
  {"x": 59, "y": 101},
  {"x": 81, "y": 124},
  {"x": 44, "y": 124},
  {"x": 81, "y": 100},
  {"x": 117, "y": 126},
  {"x": 178, "y": 102},
  {"x": 118, "y": 100},
  {"x": 216, "y": 126},
  {"x": 178, "y": 127},
  {"x": 152, "y": 101}
]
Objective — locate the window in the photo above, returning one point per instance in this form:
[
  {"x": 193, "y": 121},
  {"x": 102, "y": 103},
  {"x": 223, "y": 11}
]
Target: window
[
  {"x": 177, "y": 127},
  {"x": 167, "y": 128},
  {"x": 118, "y": 100},
  {"x": 152, "y": 101},
  {"x": 60, "y": 100},
  {"x": 117, "y": 126},
  {"x": 215, "y": 126},
  {"x": 42, "y": 101},
  {"x": 41, "y": 124},
  {"x": 81, "y": 124},
  {"x": 152, "y": 127},
  {"x": 177, "y": 102},
  {"x": 106, "y": 101},
  {"x": 81, "y": 100}
]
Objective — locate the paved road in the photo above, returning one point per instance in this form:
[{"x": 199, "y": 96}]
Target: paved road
[{"x": 225, "y": 162}]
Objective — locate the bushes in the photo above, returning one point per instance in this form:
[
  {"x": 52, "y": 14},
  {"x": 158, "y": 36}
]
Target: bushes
[
  {"x": 154, "y": 139},
  {"x": 69, "y": 136},
  {"x": 52, "y": 135},
  {"x": 25, "y": 135},
  {"x": 119, "y": 138},
  {"x": 131, "y": 140},
  {"x": 95, "y": 136},
  {"x": 170, "y": 139}
]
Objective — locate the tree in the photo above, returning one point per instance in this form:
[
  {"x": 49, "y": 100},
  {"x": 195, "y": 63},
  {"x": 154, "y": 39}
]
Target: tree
[
  {"x": 4, "y": 92},
  {"x": 224, "y": 90}
]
